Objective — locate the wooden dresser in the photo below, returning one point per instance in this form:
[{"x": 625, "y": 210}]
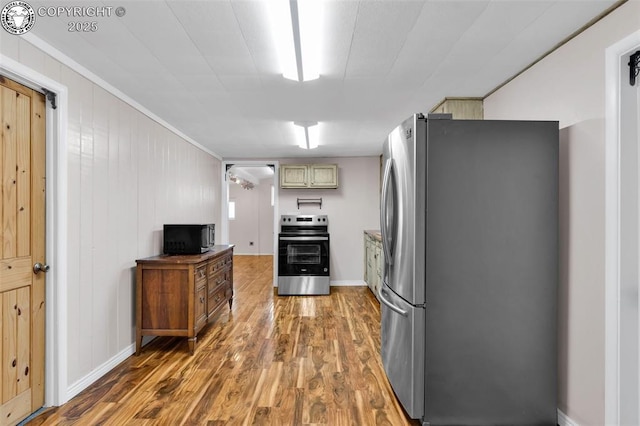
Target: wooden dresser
[{"x": 178, "y": 295}]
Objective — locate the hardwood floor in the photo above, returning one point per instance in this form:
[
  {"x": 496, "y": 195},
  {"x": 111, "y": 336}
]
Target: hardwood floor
[{"x": 269, "y": 361}]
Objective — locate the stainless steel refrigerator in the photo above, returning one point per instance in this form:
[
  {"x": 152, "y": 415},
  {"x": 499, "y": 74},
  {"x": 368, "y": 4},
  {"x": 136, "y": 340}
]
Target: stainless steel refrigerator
[{"x": 469, "y": 221}]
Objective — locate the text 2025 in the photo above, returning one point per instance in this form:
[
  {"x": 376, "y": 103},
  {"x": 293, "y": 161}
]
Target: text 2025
[{"x": 82, "y": 27}]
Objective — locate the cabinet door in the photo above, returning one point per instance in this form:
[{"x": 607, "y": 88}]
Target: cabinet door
[
  {"x": 366, "y": 259},
  {"x": 370, "y": 267},
  {"x": 377, "y": 280},
  {"x": 294, "y": 176},
  {"x": 323, "y": 176},
  {"x": 461, "y": 108},
  {"x": 163, "y": 296}
]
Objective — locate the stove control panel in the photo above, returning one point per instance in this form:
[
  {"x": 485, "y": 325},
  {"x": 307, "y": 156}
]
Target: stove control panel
[{"x": 304, "y": 220}]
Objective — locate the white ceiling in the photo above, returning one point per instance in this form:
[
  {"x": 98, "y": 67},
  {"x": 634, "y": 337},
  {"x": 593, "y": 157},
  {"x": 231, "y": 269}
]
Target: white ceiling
[
  {"x": 209, "y": 68},
  {"x": 253, "y": 174}
]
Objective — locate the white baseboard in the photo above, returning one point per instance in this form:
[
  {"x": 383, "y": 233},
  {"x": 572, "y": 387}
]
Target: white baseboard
[
  {"x": 564, "y": 420},
  {"x": 97, "y": 373},
  {"x": 347, "y": 283}
]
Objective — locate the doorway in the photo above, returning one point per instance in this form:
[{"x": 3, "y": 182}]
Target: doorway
[
  {"x": 249, "y": 208},
  {"x": 622, "y": 235},
  {"x": 55, "y": 382}
]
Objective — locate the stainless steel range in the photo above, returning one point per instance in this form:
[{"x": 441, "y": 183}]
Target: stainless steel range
[{"x": 303, "y": 255}]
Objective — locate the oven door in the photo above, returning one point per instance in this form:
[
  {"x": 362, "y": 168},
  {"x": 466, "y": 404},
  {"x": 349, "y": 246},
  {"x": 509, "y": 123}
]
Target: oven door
[{"x": 303, "y": 255}]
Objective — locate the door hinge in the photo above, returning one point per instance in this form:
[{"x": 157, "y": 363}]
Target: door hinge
[
  {"x": 634, "y": 67},
  {"x": 51, "y": 96}
]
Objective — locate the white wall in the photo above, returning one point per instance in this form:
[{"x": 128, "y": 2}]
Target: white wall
[
  {"x": 351, "y": 208},
  {"x": 266, "y": 213},
  {"x": 623, "y": 237},
  {"x": 569, "y": 86},
  {"x": 254, "y": 219},
  {"x": 127, "y": 175}
]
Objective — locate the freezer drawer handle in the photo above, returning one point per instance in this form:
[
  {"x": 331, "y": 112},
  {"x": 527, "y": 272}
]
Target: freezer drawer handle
[{"x": 391, "y": 306}]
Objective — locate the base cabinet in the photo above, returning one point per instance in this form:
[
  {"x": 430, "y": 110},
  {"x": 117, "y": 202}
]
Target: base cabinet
[
  {"x": 179, "y": 295},
  {"x": 373, "y": 260}
]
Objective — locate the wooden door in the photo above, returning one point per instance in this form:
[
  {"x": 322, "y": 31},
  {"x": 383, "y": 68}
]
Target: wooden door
[{"x": 22, "y": 244}]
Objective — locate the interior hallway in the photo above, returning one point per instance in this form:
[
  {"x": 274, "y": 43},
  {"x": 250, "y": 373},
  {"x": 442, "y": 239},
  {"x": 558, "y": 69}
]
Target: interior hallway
[{"x": 269, "y": 361}]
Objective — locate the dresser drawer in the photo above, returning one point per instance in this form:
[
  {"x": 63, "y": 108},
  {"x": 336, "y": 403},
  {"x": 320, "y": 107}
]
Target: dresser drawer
[
  {"x": 216, "y": 281},
  {"x": 216, "y": 299},
  {"x": 201, "y": 275},
  {"x": 220, "y": 264}
]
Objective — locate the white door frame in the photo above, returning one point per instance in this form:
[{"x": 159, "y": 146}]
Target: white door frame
[
  {"x": 616, "y": 76},
  {"x": 224, "y": 213},
  {"x": 56, "y": 227}
]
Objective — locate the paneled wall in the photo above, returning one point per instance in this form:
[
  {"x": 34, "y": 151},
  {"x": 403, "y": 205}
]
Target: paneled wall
[{"x": 127, "y": 176}]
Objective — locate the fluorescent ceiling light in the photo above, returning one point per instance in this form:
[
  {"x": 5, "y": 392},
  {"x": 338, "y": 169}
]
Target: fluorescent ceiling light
[
  {"x": 313, "y": 133},
  {"x": 310, "y": 25},
  {"x": 296, "y": 28},
  {"x": 301, "y": 135},
  {"x": 307, "y": 134},
  {"x": 280, "y": 17}
]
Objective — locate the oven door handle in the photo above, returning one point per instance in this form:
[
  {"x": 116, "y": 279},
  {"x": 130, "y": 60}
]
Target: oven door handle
[{"x": 304, "y": 238}]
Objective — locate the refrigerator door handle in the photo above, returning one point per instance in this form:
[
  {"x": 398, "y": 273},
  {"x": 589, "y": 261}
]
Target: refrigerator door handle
[
  {"x": 383, "y": 212},
  {"x": 394, "y": 308}
]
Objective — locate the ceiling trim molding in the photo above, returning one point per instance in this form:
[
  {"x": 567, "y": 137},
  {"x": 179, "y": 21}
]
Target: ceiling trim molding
[
  {"x": 559, "y": 45},
  {"x": 75, "y": 66}
]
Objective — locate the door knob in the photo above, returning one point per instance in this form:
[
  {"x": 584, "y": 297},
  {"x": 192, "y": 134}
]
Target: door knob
[{"x": 40, "y": 267}]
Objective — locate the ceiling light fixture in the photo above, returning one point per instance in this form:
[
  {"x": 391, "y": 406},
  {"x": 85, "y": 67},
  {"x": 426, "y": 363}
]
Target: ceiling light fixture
[
  {"x": 245, "y": 184},
  {"x": 307, "y": 134},
  {"x": 296, "y": 26}
]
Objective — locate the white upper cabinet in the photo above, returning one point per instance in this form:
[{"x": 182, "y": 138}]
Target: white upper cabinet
[{"x": 309, "y": 176}]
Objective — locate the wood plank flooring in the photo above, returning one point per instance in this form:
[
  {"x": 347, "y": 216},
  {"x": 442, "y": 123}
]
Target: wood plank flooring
[{"x": 271, "y": 360}]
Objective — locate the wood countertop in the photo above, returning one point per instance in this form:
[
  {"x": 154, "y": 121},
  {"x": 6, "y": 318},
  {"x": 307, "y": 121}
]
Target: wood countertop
[
  {"x": 187, "y": 258},
  {"x": 374, "y": 233}
]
